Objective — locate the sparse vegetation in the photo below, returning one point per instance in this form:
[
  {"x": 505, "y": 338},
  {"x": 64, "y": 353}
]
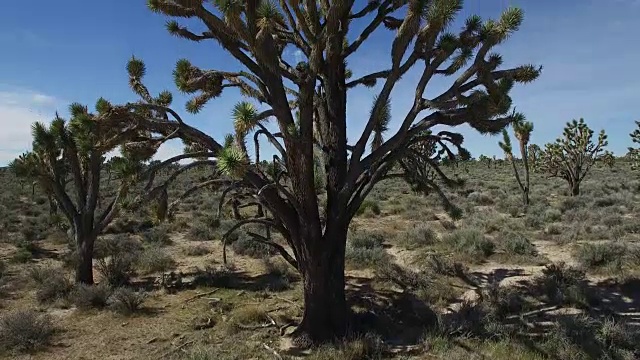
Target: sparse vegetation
[
  {"x": 392, "y": 244},
  {"x": 25, "y": 331}
]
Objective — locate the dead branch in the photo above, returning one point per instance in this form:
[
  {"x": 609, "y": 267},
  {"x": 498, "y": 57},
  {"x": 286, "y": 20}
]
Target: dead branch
[{"x": 200, "y": 295}]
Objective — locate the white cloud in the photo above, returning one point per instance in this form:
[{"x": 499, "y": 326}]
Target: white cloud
[{"x": 18, "y": 110}]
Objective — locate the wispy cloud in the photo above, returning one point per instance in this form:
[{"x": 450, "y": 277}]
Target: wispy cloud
[{"x": 19, "y": 108}]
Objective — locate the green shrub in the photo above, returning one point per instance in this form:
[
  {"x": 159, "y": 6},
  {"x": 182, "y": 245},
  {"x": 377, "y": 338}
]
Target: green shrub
[
  {"x": 197, "y": 250},
  {"x": 90, "y": 296},
  {"x": 601, "y": 254},
  {"x": 369, "y": 205},
  {"x": 25, "y": 330},
  {"x": 366, "y": 239},
  {"x": 248, "y": 247},
  {"x": 126, "y": 301},
  {"x": 419, "y": 235},
  {"x": 156, "y": 260},
  {"x": 470, "y": 242},
  {"x": 116, "y": 257},
  {"x": 158, "y": 236},
  {"x": 562, "y": 284},
  {"x": 552, "y": 215},
  {"x": 200, "y": 232},
  {"x": 363, "y": 257},
  {"x": 517, "y": 244},
  {"x": 52, "y": 283}
]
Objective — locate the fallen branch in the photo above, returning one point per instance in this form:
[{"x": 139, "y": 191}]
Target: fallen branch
[
  {"x": 261, "y": 326},
  {"x": 200, "y": 295},
  {"x": 289, "y": 301},
  {"x": 275, "y": 353}
]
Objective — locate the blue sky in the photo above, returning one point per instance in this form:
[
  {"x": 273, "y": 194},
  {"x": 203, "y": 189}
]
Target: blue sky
[{"x": 56, "y": 52}]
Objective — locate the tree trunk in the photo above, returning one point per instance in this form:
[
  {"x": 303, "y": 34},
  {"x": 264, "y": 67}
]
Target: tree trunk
[
  {"x": 326, "y": 316},
  {"x": 575, "y": 189},
  {"x": 525, "y": 197},
  {"x": 84, "y": 267}
]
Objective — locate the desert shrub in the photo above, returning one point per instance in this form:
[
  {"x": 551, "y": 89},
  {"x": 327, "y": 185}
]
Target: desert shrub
[
  {"x": 200, "y": 232},
  {"x": 470, "y": 242},
  {"x": 366, "y": 239},
  {"x": 90, "y": 296},
  {"x": 25, "y": 330},
  {"x": 116, "y": 257},
  {"x": 156, "y": 260},
  {"x": 158, "y": 236},
  {"x": 584, "y": 337},
  {"x": 246, "y": 316},
  {"x": 363, "y": 347},
  {"x": 52, "y": 283},
  {"x": 571, "y": 203},
  {"x": 246, "y": 245},
  {"x": 480, "y": 198},
  {"x": 365, "y": 257},
  {"x": 126, "y": 301},
  {"x": 370, "y": 206},
  {"x": 554, "y": 229},
  {"x": 448, "y": 224},
  {"x": 442, "y": 265},
  {"x": 552, "y": 215},
  {"x": 213, "y": 276},
  {"x": 280, "y": 268},
  {"x": 364, "y": 249},
  {"x": 600, "y": 255},
  {"x": 535, "y": 217},
  {"x": 612, "y": 220},
  {"x": 562, "y": 284},
  {"x": 500, "y": 301},
  {"x": 419, "y": 235},
  {"x": 470, "y": 320},
  {"x": 197, "y": 250},
  {"x": 516, "y": 244}
]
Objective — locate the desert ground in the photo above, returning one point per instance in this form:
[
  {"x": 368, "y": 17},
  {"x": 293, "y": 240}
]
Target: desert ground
[{"x": 557, "y": 281}]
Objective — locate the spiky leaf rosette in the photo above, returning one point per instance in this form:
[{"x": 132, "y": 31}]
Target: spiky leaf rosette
[
  {"x": 382, "y": 117},
  {"x": 232, "y": 161},
  {"x": 505, "y": 144},
  {"x": 245, "y": 119}
]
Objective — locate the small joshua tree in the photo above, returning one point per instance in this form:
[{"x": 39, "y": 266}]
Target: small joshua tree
[
  {"x": 522, "y": 130},
  {"x": 572, "y": 156},
  {"x": 534, "y": 153},
  {"x": 66, "y": 162},
  {"x": 634, "y": 153},
  {"x": 608, "y": 159},
  {"x": 485, "y": 160}
]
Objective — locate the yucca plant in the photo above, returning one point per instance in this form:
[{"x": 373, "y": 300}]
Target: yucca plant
[
  {"x": 305, "y": 118},
  {"x": 522, "y": 130},
  {"x": 66, "y": 161},
  {"x": 572, "y": 156}
]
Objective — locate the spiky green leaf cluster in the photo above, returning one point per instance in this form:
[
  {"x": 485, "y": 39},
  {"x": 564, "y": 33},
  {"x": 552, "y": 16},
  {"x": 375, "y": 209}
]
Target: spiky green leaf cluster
[{"x": 232, "y": 161}]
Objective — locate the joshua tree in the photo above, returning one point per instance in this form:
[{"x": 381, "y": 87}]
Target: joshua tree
[
  {"x": 307, "y": 101},
  {"x": 634, "y": 153},
  {"x": 534, "y": 152},
  {"x": 608, "y": 159},
  {"x": 522, "y": 130},
  {"x": 571, "y": 157},
  {"x": 485, "y": 160},
  {"x": 66, "y": 161}
]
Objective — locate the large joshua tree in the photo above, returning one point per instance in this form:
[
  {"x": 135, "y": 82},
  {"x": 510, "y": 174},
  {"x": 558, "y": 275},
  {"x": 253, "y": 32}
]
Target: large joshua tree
[
  {"x": 66, "y": 162},
  {"x": 572, "y": 156},
  {"x": 522, "y": 130},
  {"x": 307, "y": 102}
]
